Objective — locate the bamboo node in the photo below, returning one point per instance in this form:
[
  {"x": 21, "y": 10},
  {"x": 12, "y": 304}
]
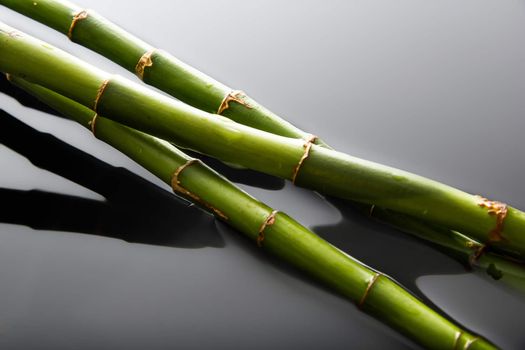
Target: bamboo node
[
  {"x": 270, "y": 220},
  {"x": 233, "y": 96},
  {"x": 144, "y": 61},
  {"x": 100, "y": 92},
  {"x": 178, "y": 188},
  {"x": 479, "y": 250},
  {"x": 371, "y": 211},
  {"x": 92, "y": 123},
  {"x": 76, "y": 18},
  {"x": 498, "y": 209},
  {"x": 371, "y": 283},
  {"x": 307, "y": 146},
  {"x": 8, "y": 77}
]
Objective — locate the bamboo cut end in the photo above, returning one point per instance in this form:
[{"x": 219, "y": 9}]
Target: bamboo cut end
[
  {"x": 233, "y": 96},
  {"x": 500, "y": 211},
  {"x": 307, "y": 146},
  {"x": 79, "y": 16},
  {"x": 270, "y": 220},
  {"x": 144, "y": 61},
  {"x": 178, "y": 188}
]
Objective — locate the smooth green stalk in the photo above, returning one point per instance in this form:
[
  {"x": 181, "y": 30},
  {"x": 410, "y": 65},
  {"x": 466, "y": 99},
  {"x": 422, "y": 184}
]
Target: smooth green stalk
[
  {"x": 160, "y": 69},
  {"x": 169, "y": 74},
  {"x": 324, "y": 170},
  {"x": 469, "y": 252},
  {"x": 285, "y": 238}
]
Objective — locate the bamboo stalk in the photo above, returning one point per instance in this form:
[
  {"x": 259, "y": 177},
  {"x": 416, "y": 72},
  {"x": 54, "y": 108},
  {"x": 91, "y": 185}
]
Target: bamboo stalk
[
  {"x": 274, "y": 231},
  {"x": 318, "y": 168},
  {"x": 471, "y": 253},
  {"x": 155, "y": 67},
  {"x": 182, "y": 81}
]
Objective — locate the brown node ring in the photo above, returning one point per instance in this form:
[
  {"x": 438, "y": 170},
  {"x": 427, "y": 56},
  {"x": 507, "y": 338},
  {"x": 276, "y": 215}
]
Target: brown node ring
[
  {"x": 178, "y": 188},
  {"x": 100, "y": 92},
  {"x": 270, "y": 220},
  {"x": 76, "y": 18},
  {"x": 233, "y": 96},
  {"x": 92, "y": 123},
  {"x": 307, "y": 146},
  {"x": 8, "y": 77},
  {"x": 144, "y": 61},
  {"x": 371, "y": 283},
  {"x": 479, "y": 250},
  {"x": 498, "y": 209}
]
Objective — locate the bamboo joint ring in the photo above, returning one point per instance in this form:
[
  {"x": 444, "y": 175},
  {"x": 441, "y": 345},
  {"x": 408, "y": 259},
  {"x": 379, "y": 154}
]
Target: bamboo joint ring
[
  {"x": 83, "y": 14},
  {"x": 270, "y": 220},
  {"x": 307, "y": 146}
]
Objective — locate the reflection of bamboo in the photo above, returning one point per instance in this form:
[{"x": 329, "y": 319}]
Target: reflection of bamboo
[
  {"x": 272, "y": 230},
  {"x": 319, "y": 168}
]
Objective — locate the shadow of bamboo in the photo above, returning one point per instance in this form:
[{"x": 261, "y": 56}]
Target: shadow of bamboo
[
  {"x": 361, "y": 239},
  {"x": 432, "y": 258},
  {"x": 135, "y": 210},
  {"x": 128, "y": 200},
  {"x": 355, "y": 234},
  {"x": 244, "y": 176},
  {"x": 387, "y": 249}
]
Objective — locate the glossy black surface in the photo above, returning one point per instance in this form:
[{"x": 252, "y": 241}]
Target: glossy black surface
[{"x": 435, "y": 88}]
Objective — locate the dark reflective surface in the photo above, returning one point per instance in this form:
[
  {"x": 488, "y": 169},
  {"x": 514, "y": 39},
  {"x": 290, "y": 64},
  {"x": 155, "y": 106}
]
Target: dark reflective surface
[
  {"x": 121, "y": 215},
  {"x": 431, "y": 87}
]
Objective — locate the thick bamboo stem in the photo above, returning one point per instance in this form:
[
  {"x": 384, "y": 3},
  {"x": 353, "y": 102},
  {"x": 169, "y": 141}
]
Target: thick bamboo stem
[
  {"x": 312, "y": 166},
  {"x": 154, "y": 66},
  {"x": 272, "y": 230}
]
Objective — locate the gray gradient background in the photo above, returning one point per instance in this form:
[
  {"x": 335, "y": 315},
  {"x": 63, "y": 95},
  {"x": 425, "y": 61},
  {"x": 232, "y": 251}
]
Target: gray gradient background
[{"x": 433, "y": 87}]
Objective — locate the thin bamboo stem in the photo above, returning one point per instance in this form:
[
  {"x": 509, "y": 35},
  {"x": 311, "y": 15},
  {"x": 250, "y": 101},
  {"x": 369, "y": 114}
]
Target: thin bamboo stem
[
  {"x": 471, "y": 253},
  {"x": 272, "y": 230},
  {"x": 154, "y": 66},
  {"x": 312, "y": 166}
]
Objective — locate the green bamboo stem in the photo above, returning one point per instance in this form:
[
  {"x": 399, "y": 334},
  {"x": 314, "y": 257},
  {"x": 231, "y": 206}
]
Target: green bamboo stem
[
  {"x": 324, "y": 170},
  {"x": 375, "y": 293},
  {"x": 469, "y": 252},
  {"x": 159, "y": 68},
  {"x": 169, "y": 74}
]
